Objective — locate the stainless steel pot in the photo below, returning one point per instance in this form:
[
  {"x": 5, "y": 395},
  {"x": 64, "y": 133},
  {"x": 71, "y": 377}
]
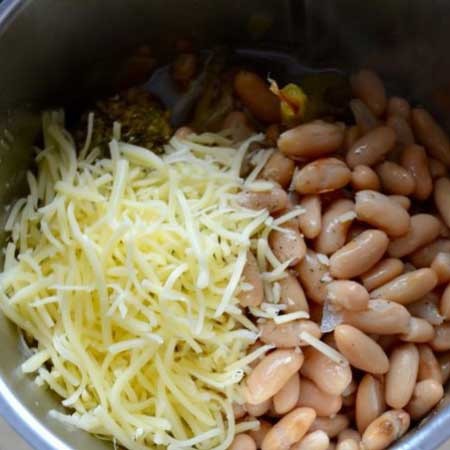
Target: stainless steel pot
[{"x": 55, "y": 51}]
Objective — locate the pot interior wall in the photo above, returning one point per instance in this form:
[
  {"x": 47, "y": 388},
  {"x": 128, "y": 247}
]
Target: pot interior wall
[{"x": 56, "y": 52}]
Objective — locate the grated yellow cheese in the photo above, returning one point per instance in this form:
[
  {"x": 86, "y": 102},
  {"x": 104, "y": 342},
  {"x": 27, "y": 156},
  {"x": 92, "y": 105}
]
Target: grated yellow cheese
[
  {"x": 124, "y": 271},
  {"x": 285, "y": 318},
  {"x": 324, "y": 348}
]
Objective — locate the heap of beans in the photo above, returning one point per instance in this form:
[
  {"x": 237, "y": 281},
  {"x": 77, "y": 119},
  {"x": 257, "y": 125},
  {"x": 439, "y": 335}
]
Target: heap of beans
[{"x": 373, "y": 246}]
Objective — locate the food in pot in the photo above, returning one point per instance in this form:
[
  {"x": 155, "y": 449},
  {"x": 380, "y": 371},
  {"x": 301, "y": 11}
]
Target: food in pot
[{"x": 278, "y": 283}]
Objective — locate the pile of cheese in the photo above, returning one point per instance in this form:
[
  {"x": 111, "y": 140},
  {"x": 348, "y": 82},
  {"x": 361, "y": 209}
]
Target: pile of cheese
[{"x": 123, "y": 271}]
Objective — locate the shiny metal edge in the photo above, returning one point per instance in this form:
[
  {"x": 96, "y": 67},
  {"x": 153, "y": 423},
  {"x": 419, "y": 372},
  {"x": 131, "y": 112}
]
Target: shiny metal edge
[
  {"x": 434, "y": 432},
  {"x": 11, "y": 409},
  {"x": 8, "y": 11},
  {"x": 429, "y": 436},
  {"x": 24, "y": 423}
]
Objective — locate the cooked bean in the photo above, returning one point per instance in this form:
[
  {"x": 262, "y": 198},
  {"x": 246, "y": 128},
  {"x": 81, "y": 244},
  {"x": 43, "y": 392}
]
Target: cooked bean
[
  {"x": 271, "y": 374},
  {"x": 388, "y": 314},
  {"x": 384, "y": 430},
  {"x": 292, "y": 294},
  {"x": 402, "y": 130},
  {"x": 243, "y": 442},
  {"x": 350, "y": 389},
  {"x": 289, "y": 430},
  {"x": 310, "y": 222},
  {"x": 311, "y": 140},
  {"x": 287, "y": 245},
  {"x": 332, "y": 196},
  {"x": 369, "y": 401},
  {"x": 444, "y": 363},
  {"x": 322, "y": 175},
  {"x": 445, "y": 230},
  {"x": 251, "y": 275},
  {"x": 291, "y": 204},
  {"x": 349, "y": 401},
  {"x": 325, "y": 405},
  {"x": 255, "y": 346},
  {"x": 183, "y": 132},
  {"x": 335, "y": 223},
  {"x": 349, "y": 433},
  {"x": 387, "y": 342},
  {"x": 272, "y": 134},
  {"x": 441, "y": 266},
  {"x": 280, "y": 169},
  {"x": 348, "y": 444},
  {"x": 364, "y": 177},
  {"x": 382, "y": 317},
  {"x": 274, "y": 200},
  {"x": 372, "y": 147},
  {"x": 409, "y": 268},
  {"x": 427, "y": 308},
  {"x": 403, "y": 201},
  {"x": 239, "y": 410},
  {"x": 414, "y": 159},
  {"x": 437, "y": 169},
  {"x": 420, "y": 331},
  {"x": 407, "y": 288},
  {"x": 380, "y": 211},
  {"x": 313, "y": 275},
  {"x": 402, "y": 375},
  {"x": 332, "y": 426},
  {"x": 286, "y": 398},
  {"x": 351, "y": 135},
  {"x": 347, "y": 294},
  {"x": 429, "y": 367},
  {"x": 329, "y": 340},
  {"x": 239, "y": 125},
  {"x": 364, "y": 117},
  {"x": 317, "y": 440},
  {"x": 395, "y": 179},
  {"x": 259, "y": 434},
  {"x": 442, "y": 198},
  {"x": 444, "y": 304},
  {"x": 423, "y": 257},
  {"x": 441, "y": 341},
  {"x": 383, "y": 272},
  {"x": 361, "y": 351},
  {"x": 359, "y": 255},
  {"x": 355, "y": 230},
  {"x": 368, "y": 86},
  {"x": 315, "y": 312},
  {"x": 259, "y": 409},
  {"x": 424, "y": 228},
  {"x": 426, "y": 395},
  {"x": 287, "y": 335},
  {"x": 328, "y": 375},
  {"x": 255, "y": 94},
  {"x": 431, "y": 135},
  {"x": 398, "y": 106}
]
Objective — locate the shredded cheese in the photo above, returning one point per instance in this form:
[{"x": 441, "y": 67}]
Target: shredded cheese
[
  {"x": 295, "y": 212},
  {"x": 347, "y": 217},
  {"x": 328, "y": 351},
  {"x": 323, "y": 259},
  {"x": 125, "y": 272},
  {"x": 285, "y": 318}
]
